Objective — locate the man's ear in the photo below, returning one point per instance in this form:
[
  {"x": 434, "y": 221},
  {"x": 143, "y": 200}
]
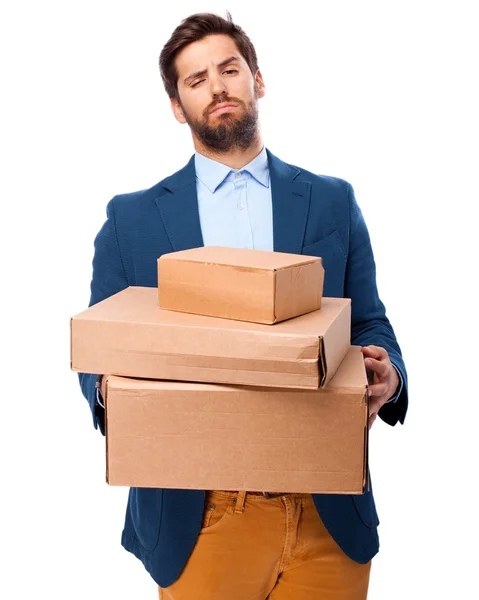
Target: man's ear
[
  {"x": 177, "y": 111},
  {"x": 260, "y": 87}
]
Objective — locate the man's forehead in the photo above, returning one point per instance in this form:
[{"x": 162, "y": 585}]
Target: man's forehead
[{"x": 201, "y": 54}]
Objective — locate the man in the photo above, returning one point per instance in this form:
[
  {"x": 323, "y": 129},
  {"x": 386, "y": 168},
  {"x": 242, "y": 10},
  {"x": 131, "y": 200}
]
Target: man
[{"x": 220, "y": 545}]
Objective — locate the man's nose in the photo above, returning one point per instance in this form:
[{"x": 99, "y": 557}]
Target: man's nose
[{"x": 218, "y": 87}]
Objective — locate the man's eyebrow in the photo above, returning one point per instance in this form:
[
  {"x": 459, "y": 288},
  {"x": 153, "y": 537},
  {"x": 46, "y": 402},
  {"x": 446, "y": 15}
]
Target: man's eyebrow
[{"x": 223, "y": 63}]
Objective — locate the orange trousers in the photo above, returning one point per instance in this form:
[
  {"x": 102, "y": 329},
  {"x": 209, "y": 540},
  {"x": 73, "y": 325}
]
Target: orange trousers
[{"x": 256, "y": 548}]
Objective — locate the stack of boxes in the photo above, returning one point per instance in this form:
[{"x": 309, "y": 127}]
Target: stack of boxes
[{"x": 241, "y": 377}]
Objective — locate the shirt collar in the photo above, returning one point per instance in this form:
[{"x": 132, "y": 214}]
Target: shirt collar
[{"x": 212, "y": 173}]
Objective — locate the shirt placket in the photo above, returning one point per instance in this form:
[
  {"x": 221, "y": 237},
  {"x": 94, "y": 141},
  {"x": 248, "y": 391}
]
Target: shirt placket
[{"x": 244, "y": 230}]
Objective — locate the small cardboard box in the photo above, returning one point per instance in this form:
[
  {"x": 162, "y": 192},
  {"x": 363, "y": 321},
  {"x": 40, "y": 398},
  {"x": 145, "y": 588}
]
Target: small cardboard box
[
  {"x": 127, "y": 334},
  {"x": 202, "y": 436},
  {"x": 241, "y": 284}
]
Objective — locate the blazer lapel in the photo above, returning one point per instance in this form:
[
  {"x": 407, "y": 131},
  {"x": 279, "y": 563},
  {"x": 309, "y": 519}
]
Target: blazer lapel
[
  {"x": 290, "y": 205},
  {"x": 178, "y": 205}
]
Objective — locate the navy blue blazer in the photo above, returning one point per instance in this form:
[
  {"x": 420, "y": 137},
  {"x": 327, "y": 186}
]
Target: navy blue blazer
[{"x": 313, "y": 215}]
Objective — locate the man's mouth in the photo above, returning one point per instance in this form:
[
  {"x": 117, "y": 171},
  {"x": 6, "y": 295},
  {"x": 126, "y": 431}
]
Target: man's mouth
[{"x": 224, "y": 107}]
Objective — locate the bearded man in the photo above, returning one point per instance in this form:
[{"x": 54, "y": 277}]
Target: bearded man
[{"x": 241, "y": 545}]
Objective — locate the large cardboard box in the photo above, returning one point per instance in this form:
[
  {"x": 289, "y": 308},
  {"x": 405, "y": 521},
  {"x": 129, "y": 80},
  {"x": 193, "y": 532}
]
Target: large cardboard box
[
  {"x": 203, "y": 436},
  {"x": 241, "y": 284},
  {"x": 127, "y": 334}
]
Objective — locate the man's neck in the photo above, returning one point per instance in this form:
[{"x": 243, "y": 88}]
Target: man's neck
[{"x": 236, "y": 158}]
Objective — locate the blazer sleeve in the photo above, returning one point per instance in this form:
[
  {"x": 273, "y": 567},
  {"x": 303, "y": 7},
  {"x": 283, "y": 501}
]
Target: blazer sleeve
[
  {"x": 369, "y": 324},
  {"x": 108, "y": 278}
]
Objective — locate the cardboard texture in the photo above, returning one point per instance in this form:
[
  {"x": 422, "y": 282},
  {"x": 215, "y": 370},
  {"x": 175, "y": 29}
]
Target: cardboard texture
[
  {"x": 127, "y": 334},
  {"x": 241, "y": 284},
  {"x": 203, "y": 436}
]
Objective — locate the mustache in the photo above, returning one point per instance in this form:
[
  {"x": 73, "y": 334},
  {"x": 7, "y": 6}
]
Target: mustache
[{"x": 221, "y": 100}]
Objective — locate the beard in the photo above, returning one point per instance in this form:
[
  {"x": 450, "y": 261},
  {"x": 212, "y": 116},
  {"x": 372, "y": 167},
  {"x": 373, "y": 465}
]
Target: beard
[{"x": 231, "y": 132}]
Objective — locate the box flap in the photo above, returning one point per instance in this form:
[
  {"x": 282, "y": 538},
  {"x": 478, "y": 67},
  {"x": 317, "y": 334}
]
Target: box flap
[
  {"x": 351, "y": 373},
  {"x": 298, "y": 290},
  {"x": 240, "y": 257},
  {"x": 336, "y": 342},
  {"x": 336, "y": 335},
  {"x": 350, "y": 377}
]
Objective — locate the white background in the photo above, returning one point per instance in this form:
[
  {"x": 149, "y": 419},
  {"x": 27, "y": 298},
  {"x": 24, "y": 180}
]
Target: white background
[{"x": 381, "y": 94}]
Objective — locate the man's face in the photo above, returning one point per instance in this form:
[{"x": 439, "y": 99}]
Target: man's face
[{"x": 218, "y": 94}]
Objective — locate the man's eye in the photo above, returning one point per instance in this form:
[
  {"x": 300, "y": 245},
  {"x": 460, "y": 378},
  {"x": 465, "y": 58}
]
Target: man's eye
[{"x": 227, "y": 71}]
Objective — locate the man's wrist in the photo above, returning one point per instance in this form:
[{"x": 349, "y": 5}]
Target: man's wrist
[{"x": 399, "y": 387}]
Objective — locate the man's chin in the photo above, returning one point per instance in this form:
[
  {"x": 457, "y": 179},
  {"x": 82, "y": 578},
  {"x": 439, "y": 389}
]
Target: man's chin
[{"x": 223, "y": 117}]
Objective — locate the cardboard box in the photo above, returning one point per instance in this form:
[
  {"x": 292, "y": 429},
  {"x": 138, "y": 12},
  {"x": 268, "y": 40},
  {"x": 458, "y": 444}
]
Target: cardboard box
[
  {"x": 241, "y": 284},
  {"x": 203, "y": 436},
  {"x": 127, "y": 334}
]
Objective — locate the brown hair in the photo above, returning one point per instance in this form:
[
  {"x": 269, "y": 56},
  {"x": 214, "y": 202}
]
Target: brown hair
[{"x": 195, "y": 28}]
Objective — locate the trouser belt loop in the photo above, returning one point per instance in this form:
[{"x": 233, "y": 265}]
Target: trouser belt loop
[{"x": 240, "y": 500}]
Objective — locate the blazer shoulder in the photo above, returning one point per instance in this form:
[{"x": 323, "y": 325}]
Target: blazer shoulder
[
  {"x": 283, "y": 169},
  {"x": 133, "y": 200},
  {"x": 330, "y": 197},
  {"x": 148, "y": 195},
  {"x": 324, "y": 182},
  {"x": 327, "y": 190}
]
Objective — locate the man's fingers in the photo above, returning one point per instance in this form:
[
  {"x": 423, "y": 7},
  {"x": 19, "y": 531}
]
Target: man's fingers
[
  {"x": 376, "y": 361},
  {"x": 375, "y": 352},
  {"x": 378, "y": 389},
  {"x": 377, "y": 366},
  {"x": 374, "y": 405}
]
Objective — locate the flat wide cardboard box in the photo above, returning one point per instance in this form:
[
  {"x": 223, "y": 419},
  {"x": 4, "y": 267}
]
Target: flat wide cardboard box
[
  {"x": 127, "y": 334},
  {"x": 241, "y": 284},
  {"x": 202, "y": 436}
]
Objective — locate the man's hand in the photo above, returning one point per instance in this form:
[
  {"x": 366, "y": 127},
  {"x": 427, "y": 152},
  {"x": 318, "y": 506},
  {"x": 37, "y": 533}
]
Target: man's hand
[
  {"x": 103, "y": 387},
  {"x": 385, "y": 379}
]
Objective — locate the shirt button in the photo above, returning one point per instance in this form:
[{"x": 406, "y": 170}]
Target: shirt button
[
  {"x": 241, "y": 206},
  {"x": 238, "y": 174}
]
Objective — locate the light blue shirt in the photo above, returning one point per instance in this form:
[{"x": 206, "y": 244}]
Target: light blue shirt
[{"x": 235, "y": 205}]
